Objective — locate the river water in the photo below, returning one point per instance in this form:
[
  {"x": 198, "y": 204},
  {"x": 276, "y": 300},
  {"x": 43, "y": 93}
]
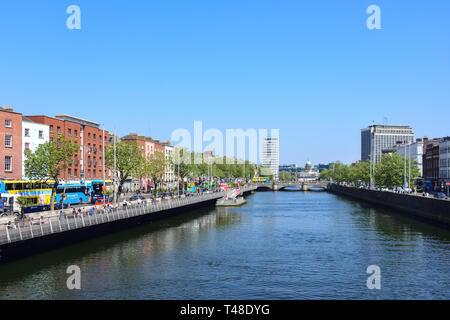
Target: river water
[{"x": 283, "y": 245}]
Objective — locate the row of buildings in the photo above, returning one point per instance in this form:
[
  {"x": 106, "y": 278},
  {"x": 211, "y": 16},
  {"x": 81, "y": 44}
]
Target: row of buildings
[
  {"x": 19, "y": 133},
  {"x": 431, "y": 155}
]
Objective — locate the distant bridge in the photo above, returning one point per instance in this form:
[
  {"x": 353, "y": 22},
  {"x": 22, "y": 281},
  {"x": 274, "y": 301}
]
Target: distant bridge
[{"x": 301, "y": 186}]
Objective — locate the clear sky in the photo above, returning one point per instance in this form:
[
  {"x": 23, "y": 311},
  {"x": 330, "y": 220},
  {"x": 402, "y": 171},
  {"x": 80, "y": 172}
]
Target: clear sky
[{"x": 309, "y": 68}]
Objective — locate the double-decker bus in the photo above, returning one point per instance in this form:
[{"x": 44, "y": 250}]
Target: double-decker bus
[
  {"x": 73, "y": 193},
  {"x": 419, "y": 185},
  {"x": 98, "y": 189},
  {"x": 37, "y": 193}
]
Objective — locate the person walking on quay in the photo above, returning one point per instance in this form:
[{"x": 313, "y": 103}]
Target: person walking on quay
[
  {"x": 42, "y": 221},
  {"x": 92, "y": 211},
  {"x": 61, "y": 215},
  {"x": 74, "y": 212}
]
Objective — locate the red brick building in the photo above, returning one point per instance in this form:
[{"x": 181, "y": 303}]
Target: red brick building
[
  {"x": 10, "y": 144},
  {"x": 159, "y": 147},
  {"x": 135, "y": 138},
  {"x": 431, "y": 161},
  {"x": 87, "y": 163},
  {"x": 147, "y": 145}
]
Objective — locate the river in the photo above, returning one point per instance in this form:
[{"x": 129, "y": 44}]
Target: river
[{"x": 280, "y": 245}]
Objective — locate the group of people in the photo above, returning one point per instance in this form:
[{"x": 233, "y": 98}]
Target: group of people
[{"x": 24, "y": 221}]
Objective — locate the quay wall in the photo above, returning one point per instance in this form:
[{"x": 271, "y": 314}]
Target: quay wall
[
  {"x": 14, "y": 250},
  {"x": 432, "y": 210}
]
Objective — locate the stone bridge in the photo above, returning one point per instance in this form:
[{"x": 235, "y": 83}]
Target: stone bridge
[{"x": 300, "y": 186}]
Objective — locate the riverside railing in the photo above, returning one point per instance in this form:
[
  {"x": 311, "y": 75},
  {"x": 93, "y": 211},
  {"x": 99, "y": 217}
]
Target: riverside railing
[{"x": 23, "y": 230}]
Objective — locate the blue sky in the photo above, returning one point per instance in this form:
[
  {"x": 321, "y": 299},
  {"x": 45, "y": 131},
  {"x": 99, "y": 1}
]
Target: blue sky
[{"x": 309, "y": 68}]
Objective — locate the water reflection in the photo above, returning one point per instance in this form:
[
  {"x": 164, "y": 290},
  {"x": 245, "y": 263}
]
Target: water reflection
[{"x": 285, "y": 245}]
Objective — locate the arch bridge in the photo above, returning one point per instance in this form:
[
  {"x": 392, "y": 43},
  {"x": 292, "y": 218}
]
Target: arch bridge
[{"x": 300, "y": 186}]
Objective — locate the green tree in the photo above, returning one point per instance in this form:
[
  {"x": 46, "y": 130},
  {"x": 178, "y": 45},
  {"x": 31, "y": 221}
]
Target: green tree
[
  {"x": 390, "y": 171},
  {"x": 129, "y": 161},
  {"x": 286, "y": 176},
  {"x": 23, "y": 202},
  {"x": 157, "y": 164},
  {"x": 48, "y": 161}
]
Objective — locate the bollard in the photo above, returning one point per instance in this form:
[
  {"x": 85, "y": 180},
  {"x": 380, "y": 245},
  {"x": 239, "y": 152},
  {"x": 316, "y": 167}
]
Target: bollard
[
  {"x": 7, "y": 234},
  {"x": 76, "y": 224},
  {"x": 20, "y": 232},
  {"x": 82, "y": 220}
]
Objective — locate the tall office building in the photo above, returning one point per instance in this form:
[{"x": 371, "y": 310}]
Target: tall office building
[
  {"x": 377, "y": 138},
  {"x": 270, "y": 157}
]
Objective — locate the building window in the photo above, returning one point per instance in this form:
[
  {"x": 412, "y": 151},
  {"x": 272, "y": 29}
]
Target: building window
[
  {"x": 69, "y": 132},
  {"x": 8, "y": 123},
  {"x": 27, "y": 146},
  {"x": 58, "y": 130},
  {"x": 75, "y": 172},
  {"x": 51, "y": 128},
  {"x": 69, "y": 171},
  {"x": 8, "y": 161},
  {"x": 51, "y": 139},
  {"x": 76, "y": 133},
  {"x": 89, "y": 136},
  {"x": 8, "y": 141},
  {"x": 94, "y": 136},
  {"x": 27, "y": 132},
  {"x": 41, "y": 134}
]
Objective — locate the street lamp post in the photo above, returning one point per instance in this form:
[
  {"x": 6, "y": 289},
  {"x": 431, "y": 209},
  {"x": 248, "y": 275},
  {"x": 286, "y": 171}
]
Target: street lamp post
[
  {"x": 115, "y": 171},
  {"x": 103, "y": 164}
]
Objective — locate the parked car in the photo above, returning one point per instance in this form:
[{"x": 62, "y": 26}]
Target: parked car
[
  {"x": 136, "y": 197},
  {"x": 100, "y": 201},
  {"x": 440, "y": 195}
]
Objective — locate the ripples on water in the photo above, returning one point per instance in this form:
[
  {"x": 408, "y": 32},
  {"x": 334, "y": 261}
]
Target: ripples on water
[{"x": 285, "y": 245}]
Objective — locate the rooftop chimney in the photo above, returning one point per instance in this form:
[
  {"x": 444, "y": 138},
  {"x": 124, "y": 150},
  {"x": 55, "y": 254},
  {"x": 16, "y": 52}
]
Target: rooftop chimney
[{"x": 7, "y": 108}]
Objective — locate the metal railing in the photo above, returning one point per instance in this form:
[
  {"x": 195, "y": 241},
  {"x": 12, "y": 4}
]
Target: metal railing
[{"x": 23, "y": 230}]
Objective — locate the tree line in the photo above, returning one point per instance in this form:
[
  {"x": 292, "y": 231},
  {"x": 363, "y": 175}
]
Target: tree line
[
  {"x": 389, "y": 172},
  {"x": 52, "y": 158}
]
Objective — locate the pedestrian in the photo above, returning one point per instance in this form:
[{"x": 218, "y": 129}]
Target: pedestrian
[
  {"x": 74, "y": 212},
  {"x": 42, "y": 221}
]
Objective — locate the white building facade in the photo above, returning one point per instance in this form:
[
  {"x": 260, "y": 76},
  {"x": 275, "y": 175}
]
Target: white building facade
[
  {"x": 377, "y": 138},
  {"x": 169, "y": 172},
  {"x": 33, "y": 135},
  {"x": 413, "y": 151},
  {"x": 270, "y": 155}
]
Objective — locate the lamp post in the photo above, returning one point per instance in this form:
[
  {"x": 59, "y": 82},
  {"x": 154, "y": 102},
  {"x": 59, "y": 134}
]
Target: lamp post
[
  {"x": 115, "y": 170},
  {"x": 103, "y": 164}
]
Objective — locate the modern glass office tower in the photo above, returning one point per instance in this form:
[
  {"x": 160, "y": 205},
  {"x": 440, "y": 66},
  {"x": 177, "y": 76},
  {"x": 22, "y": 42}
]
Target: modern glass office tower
[{"x": 377, "y": 138}]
